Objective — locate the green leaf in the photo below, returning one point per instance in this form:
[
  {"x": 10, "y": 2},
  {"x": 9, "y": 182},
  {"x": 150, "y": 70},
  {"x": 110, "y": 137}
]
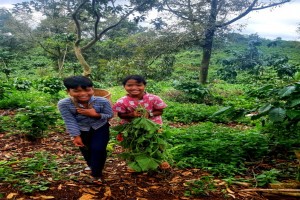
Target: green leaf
[
  {"x": 135, "y": 166},
  {"x": 293, "y": 114},
  {"x": 277, "y": 115},
  {"x": 222, "y": 110},
  {"x": 146, "y": 163},
  {"x": 286, "y": 91},
  {"x": 294, "y": 102},
  {"x": 119, "y": 128},
  {"x": 265, "y": 108}
]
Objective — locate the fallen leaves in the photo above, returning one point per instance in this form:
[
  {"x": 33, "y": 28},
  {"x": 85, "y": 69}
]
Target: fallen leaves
[
  {"x": 107, "y": 192},
  {"x": 187, "y": 173},
  {"x": 59, "y": 187},
  {"x": 89, "y": 191},
  {"x": 42, "y": 197},
  {"x": 47, "y": 197},
  {"x": 86, "y": 196},
  {"x": 11, "y": 195},
  {"x": 164, "y": 185}
]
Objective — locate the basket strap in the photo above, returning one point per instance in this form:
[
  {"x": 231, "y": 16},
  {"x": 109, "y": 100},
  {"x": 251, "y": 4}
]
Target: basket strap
[{"x": 76, "y": 104}]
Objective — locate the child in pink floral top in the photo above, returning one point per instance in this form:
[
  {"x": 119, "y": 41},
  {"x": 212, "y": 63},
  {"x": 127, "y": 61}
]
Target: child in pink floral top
[{"x": 126, "y": 106}]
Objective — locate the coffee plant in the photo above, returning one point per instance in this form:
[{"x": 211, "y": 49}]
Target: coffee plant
[
  {"x": 50, "y": 85},
  {"x": 35, "y": 120}
]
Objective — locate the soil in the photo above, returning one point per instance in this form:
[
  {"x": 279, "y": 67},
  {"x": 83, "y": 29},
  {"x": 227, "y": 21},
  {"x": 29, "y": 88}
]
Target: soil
[{"x": 120, "y": 182}]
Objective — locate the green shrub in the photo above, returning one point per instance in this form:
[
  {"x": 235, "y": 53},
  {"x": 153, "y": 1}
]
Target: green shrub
[
  {"x": 20, "y": 99},
  {"x": 188, "y": 113},
  {"x": 281, "y": 139},
  {"x": 35, "y": 120},
  {"x": 233, "y": 95},
  {"x": 7, "y": 123},
  {"x": 194, "y": 92},
  {"x": 281, "y": 108},
  {"x": 267, "y": 177},
  {"x": 22, "y": 84},
  {"x": 27, "y": 174},
  {"x": 50, "y": 85},
  {"x": 221, "y": 150},
  {"x": 4, "y": 89},
  {"x": 153, "y": 87},
  {"x": 14, "y": 99},
  {"x": 201, "y": 187}
]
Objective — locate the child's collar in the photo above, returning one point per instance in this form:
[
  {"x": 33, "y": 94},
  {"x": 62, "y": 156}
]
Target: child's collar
[
  {"x": 79, "y": 105},
  {"x": 145, "y": 93}
]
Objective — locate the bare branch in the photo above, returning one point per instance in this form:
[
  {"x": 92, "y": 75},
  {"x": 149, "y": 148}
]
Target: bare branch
[
  {"x": 250, "y": 9},
  {"x": 77, "y": 24},
  {"x": 246, "y": 12},
  {"x": 271, "y": 5},
  {"x": 178, "y": 14}
]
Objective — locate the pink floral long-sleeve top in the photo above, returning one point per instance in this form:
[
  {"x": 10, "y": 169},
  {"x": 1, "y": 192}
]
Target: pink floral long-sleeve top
[{"x": 150, "y": 102}]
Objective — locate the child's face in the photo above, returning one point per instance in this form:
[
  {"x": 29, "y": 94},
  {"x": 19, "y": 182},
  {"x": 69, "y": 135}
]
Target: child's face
[
  {"x": 134, "y": 88},
  {"x": 81, "y": 95}
]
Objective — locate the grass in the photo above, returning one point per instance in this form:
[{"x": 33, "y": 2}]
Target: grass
[{"x": 116, "y": 92}]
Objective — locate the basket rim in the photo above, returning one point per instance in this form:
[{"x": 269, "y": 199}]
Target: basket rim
[{"x": 108, "y": 94}]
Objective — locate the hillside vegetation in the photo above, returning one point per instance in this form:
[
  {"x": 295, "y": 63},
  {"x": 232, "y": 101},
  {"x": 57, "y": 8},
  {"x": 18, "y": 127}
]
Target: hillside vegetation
[{"x": 241, "y": 128}]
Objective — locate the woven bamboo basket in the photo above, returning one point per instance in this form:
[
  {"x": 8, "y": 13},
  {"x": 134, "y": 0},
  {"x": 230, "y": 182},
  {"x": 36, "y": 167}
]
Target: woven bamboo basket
[{"x": 102, "y": 93}]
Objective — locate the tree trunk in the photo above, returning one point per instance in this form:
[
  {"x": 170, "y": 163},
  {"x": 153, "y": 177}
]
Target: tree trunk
[
  {"x": 208, "y": 41},
  {"x": 83, "y": 63},
  {"x": 206, "y": 51}
]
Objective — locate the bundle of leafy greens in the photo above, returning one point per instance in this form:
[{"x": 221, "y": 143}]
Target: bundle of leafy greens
[{"x": 144, "y": 143}]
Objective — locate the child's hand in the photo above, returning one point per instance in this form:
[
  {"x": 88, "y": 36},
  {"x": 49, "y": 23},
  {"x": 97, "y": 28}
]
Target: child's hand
[
  {"x": 137, "y": 114},
  {"x": 78, "y": 142},
  {"x": 91, "y": 112}
]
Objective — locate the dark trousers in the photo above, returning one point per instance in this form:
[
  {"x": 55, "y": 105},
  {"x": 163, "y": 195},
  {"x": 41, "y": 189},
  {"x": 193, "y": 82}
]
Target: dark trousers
[{"x": 94, "y": 151}]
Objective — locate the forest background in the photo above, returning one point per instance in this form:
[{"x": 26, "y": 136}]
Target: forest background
[{"x": 233, "y": 100}]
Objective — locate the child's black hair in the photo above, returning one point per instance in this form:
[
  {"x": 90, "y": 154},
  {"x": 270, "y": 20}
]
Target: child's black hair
[
  {"x": 74, "y": 82},
  {"x": 138, "y": 78}
]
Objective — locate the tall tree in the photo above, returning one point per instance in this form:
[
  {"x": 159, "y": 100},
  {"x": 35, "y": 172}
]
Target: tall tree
[
  {"x": 48, "y": 26},
  {"x": 106, "y": 15},
  {"x": 92, "y": 19},
  {"x": 9, "y": 36},
  {"x": 206, "y": 17}
]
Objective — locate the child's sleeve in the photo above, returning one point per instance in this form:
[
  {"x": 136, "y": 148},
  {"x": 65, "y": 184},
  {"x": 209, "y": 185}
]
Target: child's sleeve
[
  {"x": 159, "y": 103},
  {"x": 70, "y": 121},
  {"x": 107, "y": 111}
]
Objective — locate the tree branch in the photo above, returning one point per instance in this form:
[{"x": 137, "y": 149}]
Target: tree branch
[
  {"x": 247, "y": 11},
  {"x": 250, "y": 9},
  {"x": 99, "y": 36},
  {"x": 272, "y": 5},
  {"x": 97, "y": 19},
  {"x": 178, "y": 14},
  {"x": 77, "y": 24}
]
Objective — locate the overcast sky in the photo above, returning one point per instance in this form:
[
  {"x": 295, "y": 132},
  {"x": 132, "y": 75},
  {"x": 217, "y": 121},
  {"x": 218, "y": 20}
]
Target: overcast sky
[{"x": 270, "y": 23}]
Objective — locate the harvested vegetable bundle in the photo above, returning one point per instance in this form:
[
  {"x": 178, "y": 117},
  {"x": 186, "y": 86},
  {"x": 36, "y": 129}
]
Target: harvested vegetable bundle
[{"x": 144, "y": 142}]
